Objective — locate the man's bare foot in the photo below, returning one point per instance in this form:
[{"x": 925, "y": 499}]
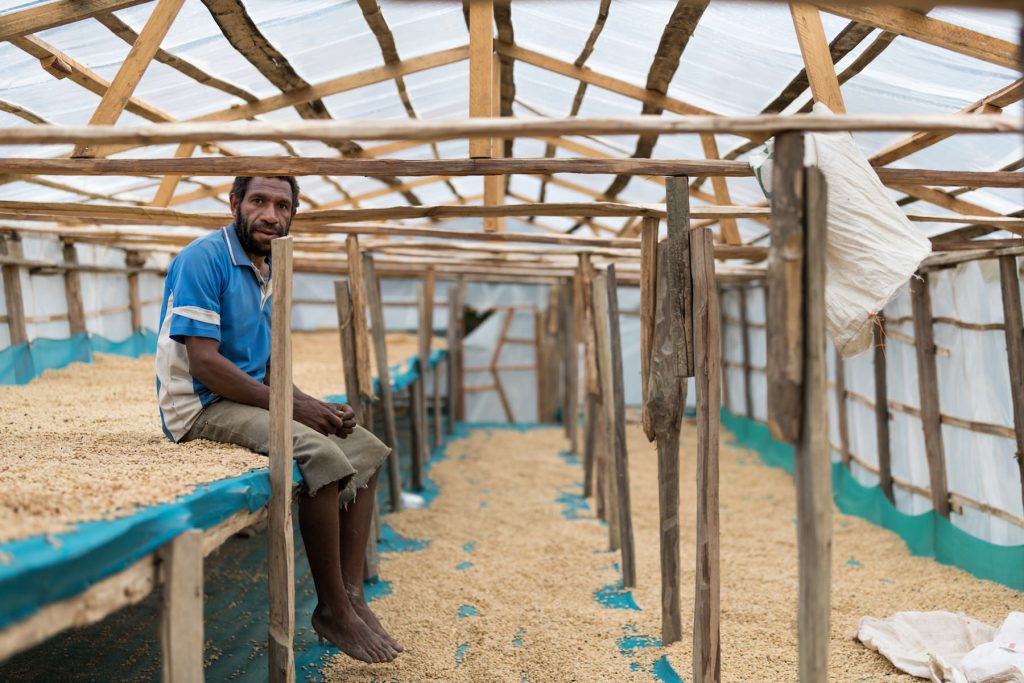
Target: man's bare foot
[
  {"x": 350, "y": 634},
  {"x": 366, "y": 614}
]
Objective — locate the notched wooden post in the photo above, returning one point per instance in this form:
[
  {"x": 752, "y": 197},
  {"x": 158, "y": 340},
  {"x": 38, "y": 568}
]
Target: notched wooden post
[
  {"x": 648, "y": 306},
  {"x": 785, "y": 295},
  {"x": 281, "y": 550}
]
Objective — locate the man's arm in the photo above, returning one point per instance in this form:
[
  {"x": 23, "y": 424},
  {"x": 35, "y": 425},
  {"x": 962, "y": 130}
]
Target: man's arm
[{"x": 225, "y": 379}]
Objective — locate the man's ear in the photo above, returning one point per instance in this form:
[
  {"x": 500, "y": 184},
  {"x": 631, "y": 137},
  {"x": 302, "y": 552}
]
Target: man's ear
[{"x": 233, "y": 200}]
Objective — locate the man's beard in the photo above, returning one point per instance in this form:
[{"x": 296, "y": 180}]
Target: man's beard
[{"x": 244, "y": 230}]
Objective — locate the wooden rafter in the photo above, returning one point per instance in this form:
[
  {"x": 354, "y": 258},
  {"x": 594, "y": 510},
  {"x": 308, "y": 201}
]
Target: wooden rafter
[
  {"x": 22, "y": 112},
  {"x": 128, "y": 35},
  {"x": 132, "y": 68},
  {"x": 681, "y": 25},
  {"x": 57, "y": 13},
  {"x": 814, "y": 48},
  {"x": 730, "y": 232},
  {"x": 906, "y": 22}
]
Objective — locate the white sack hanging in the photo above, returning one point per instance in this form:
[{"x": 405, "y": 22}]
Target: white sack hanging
[{"x": 872, "y": 248}]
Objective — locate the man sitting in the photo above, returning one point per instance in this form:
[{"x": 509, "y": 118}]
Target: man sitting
[{"x": 212, "y": 361}]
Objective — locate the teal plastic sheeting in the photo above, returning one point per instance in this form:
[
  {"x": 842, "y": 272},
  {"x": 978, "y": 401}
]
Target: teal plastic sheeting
[
  {"x": 928, "y": 534},
  {"x": 22, "y": 363}
]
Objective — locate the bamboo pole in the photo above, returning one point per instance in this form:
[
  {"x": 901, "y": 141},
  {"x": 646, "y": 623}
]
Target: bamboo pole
[
  {"x": 707, "y": 370},
  {"x": 387, "y": 400},
  {"x": 811, "y": 455},
  {"x": 281, "y": 546}
]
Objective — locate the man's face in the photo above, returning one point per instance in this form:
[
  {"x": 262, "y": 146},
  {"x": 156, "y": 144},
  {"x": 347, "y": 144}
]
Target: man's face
[{"x": 264, "y": 214}]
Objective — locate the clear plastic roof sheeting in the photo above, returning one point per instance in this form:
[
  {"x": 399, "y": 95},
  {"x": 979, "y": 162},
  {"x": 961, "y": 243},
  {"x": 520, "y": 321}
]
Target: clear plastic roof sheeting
[{"x": 740, "y": 57}]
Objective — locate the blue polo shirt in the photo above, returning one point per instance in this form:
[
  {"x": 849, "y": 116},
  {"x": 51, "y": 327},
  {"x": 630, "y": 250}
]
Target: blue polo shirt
[{"x": 212, "y": 290}]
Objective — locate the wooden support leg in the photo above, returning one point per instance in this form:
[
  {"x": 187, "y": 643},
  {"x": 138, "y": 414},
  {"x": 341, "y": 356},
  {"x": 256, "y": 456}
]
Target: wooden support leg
[
  {"x": 608, "y": 452},
  {"x": 281, "y": 546},
  {"x": 589, "y": 438},
  {"x": 436, "y": 402},
  {"x": 707, "y": 359},
  {"x": 841, "y": 412},
  {"x": 73, "y": 292},
  {"x": 812, "y": 463},
  {"x": 11, "y": 247},
  {"x": 134, "y": 259},
  {"x": 419, "y": 432},
  {"x": 454, "y": 316},
  {"x": 882, "y": 411},
  {"x": 1012, "y": 317},
  {"x": 346, "y": 334},
  {"x": 748, "y": 396},
  {"x": 621, "y": 459},
  {"x": 181, "y": 622},
  {"x": 572, "y": 396},
  {"x": 387, "y": 401}
]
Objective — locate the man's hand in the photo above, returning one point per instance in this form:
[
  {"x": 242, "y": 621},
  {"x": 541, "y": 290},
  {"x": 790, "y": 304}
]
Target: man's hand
[
  {"x": 318, "y": 415},
  {"x": 347, "y": 415}
]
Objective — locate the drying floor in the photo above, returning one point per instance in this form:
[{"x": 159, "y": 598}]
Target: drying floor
[
  {"x": 85, "y": 443},
  {"x": 516, "y": 583}
]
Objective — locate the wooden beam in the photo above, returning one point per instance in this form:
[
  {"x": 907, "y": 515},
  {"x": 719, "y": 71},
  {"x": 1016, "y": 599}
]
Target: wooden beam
[
  {"x": 446, "y": 129},
  {"x": 928, "y": 392},
  {"x": 814, "y": 47},
  {"x": 906, "y": 22},
  {"x": 380, "y": 352},
  {"x": 1014, "y": 324},
  {"x": 132, "y": 68},
  {"x": 281, "y": 546},
  {"x": 57, "y": 13},
  {"x": 812, "y": 463},
  {"x": 181, "y": 621},
  {"x": 707, "y": 346}
]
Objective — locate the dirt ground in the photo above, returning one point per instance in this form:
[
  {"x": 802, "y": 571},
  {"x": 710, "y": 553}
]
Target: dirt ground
[{"x": 517, "y": 585}]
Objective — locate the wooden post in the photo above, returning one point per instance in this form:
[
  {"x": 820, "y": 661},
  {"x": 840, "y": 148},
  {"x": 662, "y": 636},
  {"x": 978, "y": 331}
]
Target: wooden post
[
  {"x": 812, "y": 464},
  {"x": 606, "y": 465},
  {"x": 928, "y": 389},
  {"x": 11, "y": 247},
  {"x": 785, "y": 296},
  {"x": 571, "y": 354},
  {"x": 454, "y": 327},
  {"x": 1014, "y": 326},
  {"x": 436, "y": 402},
  {"x": 882, "y": 411},
  {"x": 618, "y": 412},
  {"x": 134, "y": 259},
  {"x": 380, "y": 349},
  {"x": 841, "y": 412},
  {"x": 726, "y": 398},
  {"x": 460, "y": 366},
  {"x": 73, "y": 291},
  {"x": 417, "y": 406},
  {"x": 426, "y": 337},
  {"x": 346, "y": 334},
  {"x": 281, "y": 546},
  {"x": 748, "y": 396},
  {"x": 648, "y": 304},
  {"x": 591, "y": 382},
  {"x": 355, "y": 274},
  {"x": 181, "y": 620},
  {"x": 707, "y": 346}
]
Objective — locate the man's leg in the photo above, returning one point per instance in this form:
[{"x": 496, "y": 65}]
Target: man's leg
[
  {"x": 335, "y": 618},
  {"x": 354, "y": 532}
]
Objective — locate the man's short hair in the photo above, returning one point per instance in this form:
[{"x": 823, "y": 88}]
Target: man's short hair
[{"x": 241, "y": 186}]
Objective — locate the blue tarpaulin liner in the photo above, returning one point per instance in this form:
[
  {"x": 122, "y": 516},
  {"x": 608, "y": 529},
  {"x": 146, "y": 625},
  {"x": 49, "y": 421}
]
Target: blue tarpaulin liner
[
  {"x": 37, "y": 571},
  {"x": 22, "y": 363}
]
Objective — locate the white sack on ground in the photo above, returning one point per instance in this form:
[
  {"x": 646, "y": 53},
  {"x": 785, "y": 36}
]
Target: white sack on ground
[
  {"x": 872, "y": 246},
  {"x": 947, "y": 647}
]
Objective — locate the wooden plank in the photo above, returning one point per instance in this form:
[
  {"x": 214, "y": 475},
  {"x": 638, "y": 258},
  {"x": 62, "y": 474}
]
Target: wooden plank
[
  {"x": 814, "y": 48},
  {"x": 426, "y": 337},
  {"x": 882, "y": 410},
  {"x": 707, "y": 345},
  {"x": 132, "y": 68},
  {"x": 608, "y": 481},
  {"x": 504, "y": 127},
  {"x": 355, "y": 265},
  {"x": 73, "y": 291},
  {"x": 785, "y": 294},
  {"x": 181, "y": 620},
  {"x": 280, "y": 541},
  {"x": 481, "y": 66},
  {"x": 748, "y": 394},
  {"x": 436, "y": 403},
  {"x": 380, "y": 352},
  {"x": 928, "y": 389},
  {"x": 677, "y": 197},
  {"x": 11, "y": 247},
  {"x": 571, "y": 366},
  {"x": 454, "y": 315},
  {"x": 460, "y": 379},
  {"x": 726, "y": 364},
  {"x": 1012, "y": 317},
  {"x": 419, "y": 393},
  {"x": 666, "y": 399},
  {"x": 842, "y": 415},
  {"x": 621, "y": 456},
  {"x": 648, "y": 306},
  {"x": 933, "y": 31},
  {"x": 57, "y": 13},
  {"x": 812, "y": 463}
]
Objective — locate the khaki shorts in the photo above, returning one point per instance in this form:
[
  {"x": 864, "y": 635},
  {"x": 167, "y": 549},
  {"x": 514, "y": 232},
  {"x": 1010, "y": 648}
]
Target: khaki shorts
[{"x": 322, "y": 459}]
